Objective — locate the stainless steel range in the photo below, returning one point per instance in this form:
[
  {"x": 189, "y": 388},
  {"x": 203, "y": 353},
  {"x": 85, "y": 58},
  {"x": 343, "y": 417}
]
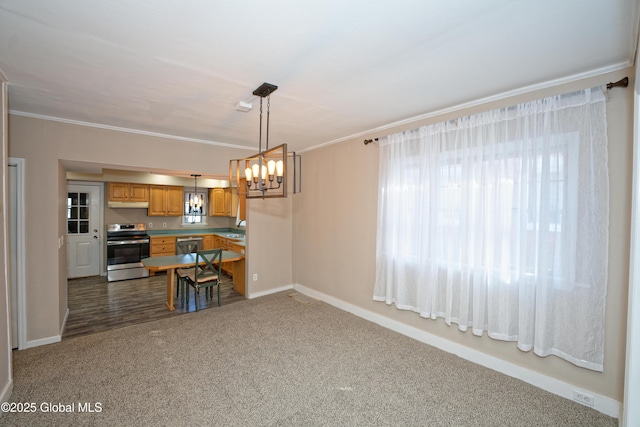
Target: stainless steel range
[{"x": 127, "y": 245}]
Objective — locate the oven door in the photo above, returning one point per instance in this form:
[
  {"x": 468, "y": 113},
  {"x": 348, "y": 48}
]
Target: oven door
[{"x": 127, "y": 251}]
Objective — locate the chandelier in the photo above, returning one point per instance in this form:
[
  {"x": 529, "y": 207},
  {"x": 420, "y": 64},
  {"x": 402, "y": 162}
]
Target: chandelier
[
  {"x": 265, "y": 174},
  {"x": 195, "y": 201}
]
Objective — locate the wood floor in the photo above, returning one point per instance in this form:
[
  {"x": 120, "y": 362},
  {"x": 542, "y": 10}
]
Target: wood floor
[{"x": 96, "y": 305}]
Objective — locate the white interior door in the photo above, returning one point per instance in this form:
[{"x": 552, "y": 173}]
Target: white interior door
[{"x": 83, "y": 230}]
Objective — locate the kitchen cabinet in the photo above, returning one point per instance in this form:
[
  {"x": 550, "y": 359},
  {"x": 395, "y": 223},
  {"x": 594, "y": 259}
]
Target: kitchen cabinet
[
  {"x": 231, "y": 200},
  {"x": 165, "y": 200},
  {"x": 216, "y": 202},
  {"x": 162, "y": 245},
  {"x": 225, "y": 244},
  {"x": 128, "y": 192},
  {"x": 241, "y": 249},
  {"x": 208, "y": 242},
  {"x": 219, "y": 242},
  {"x": 223, "y": 202},
  {"x": 242, "y": 194}
]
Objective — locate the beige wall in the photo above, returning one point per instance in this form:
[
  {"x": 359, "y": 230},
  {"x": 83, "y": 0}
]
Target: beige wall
[
  {"x": 46, "y": 146},
  {"x": 334, "y": 222},
  {"x": 5, "y": 337},
  {"x": 269, "y": 243}
]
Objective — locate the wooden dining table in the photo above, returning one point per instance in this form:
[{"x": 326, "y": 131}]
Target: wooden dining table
[{"x": 170, "y": 263}]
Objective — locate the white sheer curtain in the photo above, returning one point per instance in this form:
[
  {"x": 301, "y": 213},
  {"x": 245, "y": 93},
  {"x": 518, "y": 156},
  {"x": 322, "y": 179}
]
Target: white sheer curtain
[{"x": 498, "y": 222}]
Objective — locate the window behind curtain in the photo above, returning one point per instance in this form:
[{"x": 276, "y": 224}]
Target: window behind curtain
[{"x": 498, "y": 222}]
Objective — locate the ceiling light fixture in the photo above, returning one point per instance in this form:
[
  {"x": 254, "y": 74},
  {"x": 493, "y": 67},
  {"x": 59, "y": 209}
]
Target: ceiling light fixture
[
  {"x": 265, "y": 174},
  {"x": 195, "y": 201}
]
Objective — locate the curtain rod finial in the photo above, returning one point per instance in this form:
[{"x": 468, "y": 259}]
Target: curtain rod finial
[{"x": 620, "y": 83}]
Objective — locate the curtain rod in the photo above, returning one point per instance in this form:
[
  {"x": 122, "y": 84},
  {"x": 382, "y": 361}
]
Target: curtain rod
[{"x": 624, "y": 82}]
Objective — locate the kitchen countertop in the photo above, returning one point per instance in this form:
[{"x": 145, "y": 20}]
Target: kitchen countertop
[
  {"x": 193, "y": 231},
  {"x": 224, "y": 232}
]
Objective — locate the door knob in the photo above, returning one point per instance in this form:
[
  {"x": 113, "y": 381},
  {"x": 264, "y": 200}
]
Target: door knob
[{"x": 95, "y": 237}]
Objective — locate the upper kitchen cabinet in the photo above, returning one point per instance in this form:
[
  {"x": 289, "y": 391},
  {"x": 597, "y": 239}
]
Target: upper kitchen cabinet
[
  {"x": 165, "y": 200},
  {"x": 222, "y": 202},
  {"x": 242, "y": 205},
  {"x": 128, "y": 192},
  {"x": 216, "y": 202},
  {"x": 231, "y": 202}
]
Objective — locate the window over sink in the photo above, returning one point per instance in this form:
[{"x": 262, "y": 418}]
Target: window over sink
[{"x": 194, "y": 213}]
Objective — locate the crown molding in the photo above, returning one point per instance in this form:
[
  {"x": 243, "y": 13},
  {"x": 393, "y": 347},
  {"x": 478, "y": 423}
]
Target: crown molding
[{"x": 127, "y": 130}]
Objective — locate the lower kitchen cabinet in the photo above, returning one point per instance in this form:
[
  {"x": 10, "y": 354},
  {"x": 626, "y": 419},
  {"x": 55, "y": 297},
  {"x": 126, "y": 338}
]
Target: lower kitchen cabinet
[
  {"x": 238, "y": 248},
  {"x": 161, "y": 246},
  {"x": 208, "y": 242},
  {"x": 226, "y": 245}
]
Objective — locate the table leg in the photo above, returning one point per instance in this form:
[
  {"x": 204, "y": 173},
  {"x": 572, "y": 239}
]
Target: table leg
[{"x": 171, "y": 273}]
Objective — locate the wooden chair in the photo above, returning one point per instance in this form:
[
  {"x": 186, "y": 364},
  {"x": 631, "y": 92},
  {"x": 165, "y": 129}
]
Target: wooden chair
[
  {"x": 206, "y": 274},
  {"x": 185, "y": 247}
]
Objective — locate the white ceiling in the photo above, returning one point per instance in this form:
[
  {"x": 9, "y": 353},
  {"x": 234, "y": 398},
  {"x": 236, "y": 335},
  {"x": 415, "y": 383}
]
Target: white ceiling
[{"x": 344, "y": 68}]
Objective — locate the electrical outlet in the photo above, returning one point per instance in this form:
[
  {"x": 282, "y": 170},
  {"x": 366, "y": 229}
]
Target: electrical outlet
[
  {"x": 585, "y": 399},
  {"x": 150, "y": 225},
  {"x": 164, "y": 225},
  {"x": 255, "y": 277}
]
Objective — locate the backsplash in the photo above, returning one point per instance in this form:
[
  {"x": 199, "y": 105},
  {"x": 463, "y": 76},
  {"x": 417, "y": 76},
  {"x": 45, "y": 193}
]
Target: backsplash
[{"x": 137, "y": 216}]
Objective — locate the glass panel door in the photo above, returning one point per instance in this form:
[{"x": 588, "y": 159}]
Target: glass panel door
[{"x": 78, "y": 213}]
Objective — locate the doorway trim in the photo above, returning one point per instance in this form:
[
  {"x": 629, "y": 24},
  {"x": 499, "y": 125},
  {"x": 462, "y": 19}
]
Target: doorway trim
[{"x": 21, "y": 254}]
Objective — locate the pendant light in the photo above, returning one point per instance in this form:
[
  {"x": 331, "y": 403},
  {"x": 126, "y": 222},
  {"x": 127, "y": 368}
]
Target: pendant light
[
  {"x": 195, "y": 201},
  {"x": 265, "y": 173}
]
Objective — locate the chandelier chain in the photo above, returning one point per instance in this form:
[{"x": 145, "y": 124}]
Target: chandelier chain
[
  {"x": 268, "y": 109},
  {"x": 260, "y": 136}
]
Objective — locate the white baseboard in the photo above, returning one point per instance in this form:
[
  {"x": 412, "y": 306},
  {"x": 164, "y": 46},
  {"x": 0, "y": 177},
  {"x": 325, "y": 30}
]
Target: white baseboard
[
  {"x": 251, "y": 295},
  {"x": 6, "y": 391},
  {"x": 44, "y": 341},
  {"x": 603, "y": 404},
  {"x": 50, "y": 340}
]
